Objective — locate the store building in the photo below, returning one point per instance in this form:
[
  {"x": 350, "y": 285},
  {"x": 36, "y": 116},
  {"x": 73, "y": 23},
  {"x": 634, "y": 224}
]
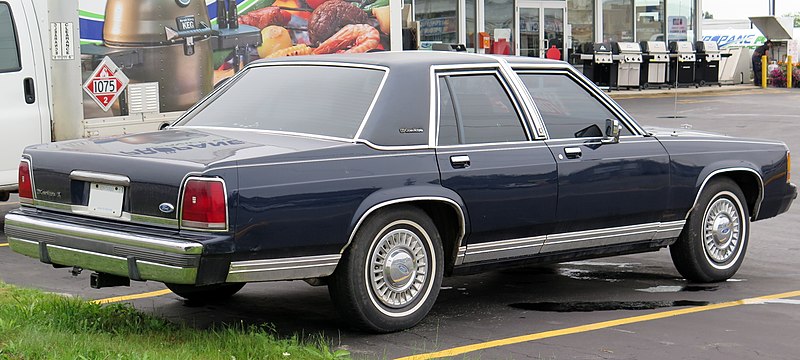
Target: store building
[{"x": 533, "y": 27}]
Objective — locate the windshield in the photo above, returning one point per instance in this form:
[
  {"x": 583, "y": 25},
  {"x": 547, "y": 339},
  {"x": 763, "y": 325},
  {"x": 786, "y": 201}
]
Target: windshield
[{"x": 320, "y": 100}]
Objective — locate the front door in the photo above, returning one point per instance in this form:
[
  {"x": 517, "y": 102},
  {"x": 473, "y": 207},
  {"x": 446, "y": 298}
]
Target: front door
[
  {"x": 19, "y": 93},
  {"x": 608, "y": 193},
  {"x": 541, "y": 30}
]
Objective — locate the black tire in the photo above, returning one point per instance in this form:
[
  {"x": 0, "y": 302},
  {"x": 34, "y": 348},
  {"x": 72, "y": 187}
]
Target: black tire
[
  {"x": 205, "y": 293},
  {"x": 704, "y": 255},
  {"x": 405, "y": 236}
]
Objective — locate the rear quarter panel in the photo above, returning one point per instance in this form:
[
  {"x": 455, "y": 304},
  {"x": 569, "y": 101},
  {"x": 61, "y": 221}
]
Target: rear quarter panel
[{"x": 306, "y": 204}]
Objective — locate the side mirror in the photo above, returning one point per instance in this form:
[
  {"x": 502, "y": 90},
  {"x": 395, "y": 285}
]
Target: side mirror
[{"x": 612, "y": 132}]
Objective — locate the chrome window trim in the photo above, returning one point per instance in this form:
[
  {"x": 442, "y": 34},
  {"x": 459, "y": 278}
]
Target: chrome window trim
[
  {"x": 590, "y": 88},
  {"x": 534, "y": 116},
  {"x": 457, "y": 149},
  {"x": 759, "y": 199},
  {"x": 272, "y": 132},
  {"x": 452, "y": 203},
  {"x": 496, "y": 71},
  {"x": 241, "y": 166},
  {"x": 237, "y": 76},
  {"x": 179, "y": 213}
]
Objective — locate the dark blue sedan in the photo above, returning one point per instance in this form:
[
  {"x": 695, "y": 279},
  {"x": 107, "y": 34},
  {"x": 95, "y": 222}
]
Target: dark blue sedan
[{"x": 378, "y": 174}]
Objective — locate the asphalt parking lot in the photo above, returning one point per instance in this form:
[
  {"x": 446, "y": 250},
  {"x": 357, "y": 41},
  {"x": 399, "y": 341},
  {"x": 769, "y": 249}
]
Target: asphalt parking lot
[{"x": 628, "y": 307}]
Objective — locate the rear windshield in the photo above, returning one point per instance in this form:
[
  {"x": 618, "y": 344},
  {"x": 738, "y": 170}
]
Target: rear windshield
[{"x": 320, "y": 100}]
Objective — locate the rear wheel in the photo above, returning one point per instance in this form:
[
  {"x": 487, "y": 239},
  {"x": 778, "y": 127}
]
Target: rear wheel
[
  {"x": 389, "y": 277},
  {"x": 713, "y": 244},
  {"x": 205, "y": 293}
]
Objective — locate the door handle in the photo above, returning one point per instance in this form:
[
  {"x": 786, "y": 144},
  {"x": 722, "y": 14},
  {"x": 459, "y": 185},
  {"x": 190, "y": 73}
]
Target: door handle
[
  {"x": 30, "y": 90},
  {"x": 459, "y": 161},
  {"x": 573, "y": 152}
]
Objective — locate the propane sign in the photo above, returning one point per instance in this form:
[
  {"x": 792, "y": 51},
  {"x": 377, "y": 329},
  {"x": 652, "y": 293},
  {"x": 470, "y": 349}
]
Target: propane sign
[{"x": 106, "y": 84}]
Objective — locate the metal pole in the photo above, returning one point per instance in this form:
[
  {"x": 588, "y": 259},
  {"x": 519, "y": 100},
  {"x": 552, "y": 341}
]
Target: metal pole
[
  {"x": 789, "y": 65},
  {"x": 772, "y": 7},
  {"x": 764, "y": 72}
]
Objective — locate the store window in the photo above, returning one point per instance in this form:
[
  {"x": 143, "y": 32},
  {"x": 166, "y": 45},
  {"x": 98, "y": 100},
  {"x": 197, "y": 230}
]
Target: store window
[
  {"x": 9, "y": 53},
  {"x": 438, "y": 20},
  {"x": 470, "y": 12},
  {"x": 499, "y": 15},
  {"x": 617, "y": 20},
  {"x": 650, "y": 20},
  {"x": 680, "y": 20},
  {"x": 581, "y": 17}
]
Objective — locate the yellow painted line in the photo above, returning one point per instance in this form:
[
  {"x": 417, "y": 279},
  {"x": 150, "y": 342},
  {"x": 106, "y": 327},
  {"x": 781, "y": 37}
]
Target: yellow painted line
[
  {"x": 3, "y": 244},
  {"x": 131, "y": 297},
  {"x": 595, "y": 326}
]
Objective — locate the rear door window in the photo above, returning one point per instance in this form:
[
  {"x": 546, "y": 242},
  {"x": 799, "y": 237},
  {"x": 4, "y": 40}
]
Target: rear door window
[
  {"x": 9, "y": 48},
  {"x": 477, "y": 109}
]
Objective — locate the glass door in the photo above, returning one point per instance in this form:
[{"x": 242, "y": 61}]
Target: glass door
[
  {"x": 541, "y": 29},
  {"x": 530, "y": 36}
]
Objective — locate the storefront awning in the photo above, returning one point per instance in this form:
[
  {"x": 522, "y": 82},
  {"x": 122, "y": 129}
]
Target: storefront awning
[{"x": 773, "y": 27}]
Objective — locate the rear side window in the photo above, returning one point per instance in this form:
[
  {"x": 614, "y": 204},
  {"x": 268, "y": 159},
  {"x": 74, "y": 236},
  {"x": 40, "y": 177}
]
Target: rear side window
[
  {"x": 320, "y": 100},
  {"x": 9, "y": 50},
  {"x": 568, "y": 110},
  {"x": 476, "y": 109}
]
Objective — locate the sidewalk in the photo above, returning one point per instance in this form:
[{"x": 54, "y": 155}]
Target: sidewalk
[{"x": 690, "y": 91}]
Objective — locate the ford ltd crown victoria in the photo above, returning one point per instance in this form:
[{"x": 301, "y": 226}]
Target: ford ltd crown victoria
[{"x": 379, "y": 174}]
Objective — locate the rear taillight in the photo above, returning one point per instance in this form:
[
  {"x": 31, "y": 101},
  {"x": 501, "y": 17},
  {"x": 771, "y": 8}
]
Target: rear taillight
[
  {"x": 204, "y": 204},
  {"x": 25, "y": 182}
]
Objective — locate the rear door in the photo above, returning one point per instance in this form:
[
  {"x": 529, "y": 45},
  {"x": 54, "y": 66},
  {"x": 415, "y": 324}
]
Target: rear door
[
  {"x": 20, "y": 121},
  {"x": 507, "y": 181},
  {"x": 608, "y": 194}
]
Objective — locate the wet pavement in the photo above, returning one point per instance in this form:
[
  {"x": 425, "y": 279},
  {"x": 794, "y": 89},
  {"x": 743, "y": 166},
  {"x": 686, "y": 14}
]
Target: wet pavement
[{"x": 510, "y": 303}]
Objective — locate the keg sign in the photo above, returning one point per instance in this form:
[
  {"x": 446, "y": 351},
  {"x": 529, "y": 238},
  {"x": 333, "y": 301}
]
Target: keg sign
[{"x": 106, "y": 83}]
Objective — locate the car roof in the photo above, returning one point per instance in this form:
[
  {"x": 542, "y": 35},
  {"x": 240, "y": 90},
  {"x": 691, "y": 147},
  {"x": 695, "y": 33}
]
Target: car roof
[{"x": 411, "y": 58}]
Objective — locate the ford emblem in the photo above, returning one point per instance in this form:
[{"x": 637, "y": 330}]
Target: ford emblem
[{"x": 166, "y": 208}]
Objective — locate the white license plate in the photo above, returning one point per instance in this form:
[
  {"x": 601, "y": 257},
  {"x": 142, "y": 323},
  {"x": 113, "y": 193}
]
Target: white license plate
[{"x": 106, "y": 200}]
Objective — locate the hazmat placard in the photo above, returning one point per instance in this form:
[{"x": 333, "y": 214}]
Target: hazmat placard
[{"x": 106, "y": 83}]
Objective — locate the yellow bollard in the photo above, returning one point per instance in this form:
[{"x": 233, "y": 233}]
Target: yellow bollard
[
  {"x": 764, "y": 71},
  {"x": 789, "y": 69}
]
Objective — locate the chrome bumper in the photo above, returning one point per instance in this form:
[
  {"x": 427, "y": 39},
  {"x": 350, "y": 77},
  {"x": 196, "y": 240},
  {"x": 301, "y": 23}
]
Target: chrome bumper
[{"x": 139, "y": 257}]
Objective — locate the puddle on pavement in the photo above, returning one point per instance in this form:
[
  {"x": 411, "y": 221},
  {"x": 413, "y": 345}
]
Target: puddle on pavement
[
  {"x": 673, "y": 289},
  {"x": 589, "y": 306}
]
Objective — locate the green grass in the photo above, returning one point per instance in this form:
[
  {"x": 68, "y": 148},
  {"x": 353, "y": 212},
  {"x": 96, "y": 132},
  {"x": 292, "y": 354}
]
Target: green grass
[{"x": 37, "y": 325}]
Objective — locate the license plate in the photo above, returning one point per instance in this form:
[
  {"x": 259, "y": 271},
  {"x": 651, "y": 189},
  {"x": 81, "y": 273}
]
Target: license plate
[{"x": 106, "y": 200}]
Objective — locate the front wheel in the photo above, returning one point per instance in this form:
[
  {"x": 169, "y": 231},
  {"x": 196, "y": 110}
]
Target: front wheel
[
  {"x": 389, "y": 277},
  {"x": 712, "y": 246},
  {"x": 205, "y": 293}
]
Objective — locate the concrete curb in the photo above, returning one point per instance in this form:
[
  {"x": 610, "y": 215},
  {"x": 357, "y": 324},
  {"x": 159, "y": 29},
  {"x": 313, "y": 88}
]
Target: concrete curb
[{"x": 691, "y": 92}]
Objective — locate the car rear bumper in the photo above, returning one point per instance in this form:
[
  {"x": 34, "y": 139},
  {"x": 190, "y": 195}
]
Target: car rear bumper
[{"x": 134, "y": 255}]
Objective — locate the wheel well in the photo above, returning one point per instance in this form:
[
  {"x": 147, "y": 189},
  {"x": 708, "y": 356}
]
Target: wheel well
[
  {"x": 448, "y": 224},
  {"x": 750, "y": 185}
]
